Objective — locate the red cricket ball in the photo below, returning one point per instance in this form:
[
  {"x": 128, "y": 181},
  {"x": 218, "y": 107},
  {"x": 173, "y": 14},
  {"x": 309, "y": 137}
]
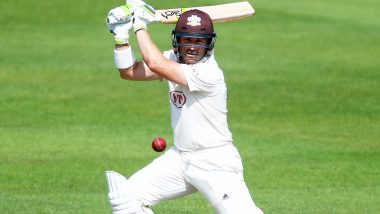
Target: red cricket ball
[{"x": 158, "y": 144}]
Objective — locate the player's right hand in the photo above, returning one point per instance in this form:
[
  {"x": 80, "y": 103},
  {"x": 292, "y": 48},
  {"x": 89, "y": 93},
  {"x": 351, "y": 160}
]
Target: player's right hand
[
  {"x": 121, "y": 32},
  {"x": 117, "y": 15}
]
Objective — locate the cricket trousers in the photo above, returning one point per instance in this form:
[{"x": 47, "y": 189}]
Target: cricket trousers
[{"x": 217, "y": 173}]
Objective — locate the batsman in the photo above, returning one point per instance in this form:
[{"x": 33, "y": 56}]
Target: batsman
[{"x": 203, "y": 158}]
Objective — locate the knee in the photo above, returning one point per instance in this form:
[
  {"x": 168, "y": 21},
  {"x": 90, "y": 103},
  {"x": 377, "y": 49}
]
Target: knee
[
  {"x": 129, "y": 205},
  {"x": 125, "y": 205},
  {"x": 230, "y": 206}
]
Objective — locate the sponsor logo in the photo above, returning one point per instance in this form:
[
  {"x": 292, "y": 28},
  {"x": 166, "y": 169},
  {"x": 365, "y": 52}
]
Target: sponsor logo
[
  {"x": 225, "y": 196},
  {"x": 178, "y": 98},
  {"x": 168, "y": 13}
]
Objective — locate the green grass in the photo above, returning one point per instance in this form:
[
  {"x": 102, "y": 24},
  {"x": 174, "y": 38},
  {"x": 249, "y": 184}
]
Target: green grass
[{"x": 304, "y": 86}]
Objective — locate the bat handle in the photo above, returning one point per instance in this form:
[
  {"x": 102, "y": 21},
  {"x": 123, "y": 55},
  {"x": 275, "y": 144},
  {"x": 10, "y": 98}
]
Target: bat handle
[{"x": 157, "y": 17}]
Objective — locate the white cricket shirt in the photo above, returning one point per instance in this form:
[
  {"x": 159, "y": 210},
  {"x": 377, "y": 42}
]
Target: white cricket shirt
[{"x": 199, "y": 111}]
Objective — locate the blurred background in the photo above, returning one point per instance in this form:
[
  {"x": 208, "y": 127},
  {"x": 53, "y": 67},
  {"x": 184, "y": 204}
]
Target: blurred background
[{"x": 303, "y": 84}]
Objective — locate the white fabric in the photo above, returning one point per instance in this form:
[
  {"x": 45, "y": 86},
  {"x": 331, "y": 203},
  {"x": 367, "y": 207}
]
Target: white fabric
[
  {"x": 121, "y": 32},
  {"x": 199, "y": 111},
  {"x": 143, "y": 16},
  {"x": 122, "y": 200},
  {"x": 233, "y": 207},
  {"x": 217, "y": 173},
  {"x": 135, "y": 4},
  {"x": 161, "y": 180},
  {"x": 124, "y": 58},
  {"x": 145, "y": 13},
  {"x": 119, "y": 24},
  {"x": 203, "y": 158},
  {"x": 117, "y": 15}
]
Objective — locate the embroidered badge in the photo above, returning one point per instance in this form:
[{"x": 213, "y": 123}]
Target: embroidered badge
[
  {"x": 193, "y": 20},
  {"x": 178, "y": 98}
]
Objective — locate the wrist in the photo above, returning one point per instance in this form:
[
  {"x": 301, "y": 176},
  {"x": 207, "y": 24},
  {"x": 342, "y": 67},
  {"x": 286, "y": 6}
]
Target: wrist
[
  {"x": 123, "y": 40},
  {"x": 139, "y": 25},
  {"x": 124, "y": 56},
  {"x": 121, "y": 46}
]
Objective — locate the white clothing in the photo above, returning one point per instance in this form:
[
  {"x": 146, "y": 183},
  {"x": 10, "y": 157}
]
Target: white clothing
[
  {"x": 203, "y": 157},
  {"x": 217, "y": 173},
  {"x": 199, "y": 111}
]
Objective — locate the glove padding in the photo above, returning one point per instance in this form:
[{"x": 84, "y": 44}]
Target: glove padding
[
  {"x": 118, "y": 15},
  {"x": 123, "y": 14},
  {"x": 134, "y": 4},
  {"x": 143, "y": 16},
  {"x": 119, "y": 23},
  {"x": 121, "y": 32}
]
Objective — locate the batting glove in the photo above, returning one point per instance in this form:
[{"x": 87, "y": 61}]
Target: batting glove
[
  {"x": 119, "y": 23},
  {"x": 122, "y": 14},
  {"x": 143, "y": 16},
  {"x": 134, "y": 4}
]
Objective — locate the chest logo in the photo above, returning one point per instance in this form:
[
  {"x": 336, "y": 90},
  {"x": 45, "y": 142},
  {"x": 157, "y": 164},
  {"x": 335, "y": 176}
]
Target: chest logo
[{"x": 178, "y": 98}]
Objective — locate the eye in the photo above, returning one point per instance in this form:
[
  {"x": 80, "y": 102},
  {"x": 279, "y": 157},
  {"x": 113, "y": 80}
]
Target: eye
[
  {"x": 186, "y": 40},
  {"x": 201, "y": 41}
]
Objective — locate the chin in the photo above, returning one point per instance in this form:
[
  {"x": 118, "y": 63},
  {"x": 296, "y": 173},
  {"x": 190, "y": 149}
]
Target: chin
[{"x": 190, "y": 60}]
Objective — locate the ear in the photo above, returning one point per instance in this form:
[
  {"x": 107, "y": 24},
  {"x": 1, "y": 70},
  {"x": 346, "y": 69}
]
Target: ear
[{"x": 177, "y": 54}]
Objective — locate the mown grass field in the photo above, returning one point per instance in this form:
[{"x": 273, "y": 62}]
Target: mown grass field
[{"x": 304, "y": 91}]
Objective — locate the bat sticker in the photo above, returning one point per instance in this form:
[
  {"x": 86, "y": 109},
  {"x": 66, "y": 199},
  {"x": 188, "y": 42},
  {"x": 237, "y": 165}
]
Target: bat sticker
[{"x": 168, "y": 13}]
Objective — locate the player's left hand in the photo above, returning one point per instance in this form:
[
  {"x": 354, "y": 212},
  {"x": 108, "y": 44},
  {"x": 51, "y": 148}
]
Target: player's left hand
[{"x": 143, "y": 16}]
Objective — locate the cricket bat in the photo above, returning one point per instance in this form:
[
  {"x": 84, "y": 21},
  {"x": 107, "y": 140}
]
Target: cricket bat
[{"x": 218, "y": 13}]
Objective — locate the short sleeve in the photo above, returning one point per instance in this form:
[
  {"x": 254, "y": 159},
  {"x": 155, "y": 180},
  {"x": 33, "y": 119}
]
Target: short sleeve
[
  {"x": 202, "y": 77},
  {"x": 170, "y": 55}
]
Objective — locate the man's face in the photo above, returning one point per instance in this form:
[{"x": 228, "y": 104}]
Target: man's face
[{"x": 191, "y": 53}]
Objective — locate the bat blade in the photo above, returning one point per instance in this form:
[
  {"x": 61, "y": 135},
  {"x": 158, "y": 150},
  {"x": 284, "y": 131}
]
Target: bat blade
[{"x": 218, "y": 13}]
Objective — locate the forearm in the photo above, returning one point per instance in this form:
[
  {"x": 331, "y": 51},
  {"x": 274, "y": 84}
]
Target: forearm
[
  {"x": 156, "y": 61},
  {"x": 137, "y": 71},
  {"x": 149, "y": 51}
]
